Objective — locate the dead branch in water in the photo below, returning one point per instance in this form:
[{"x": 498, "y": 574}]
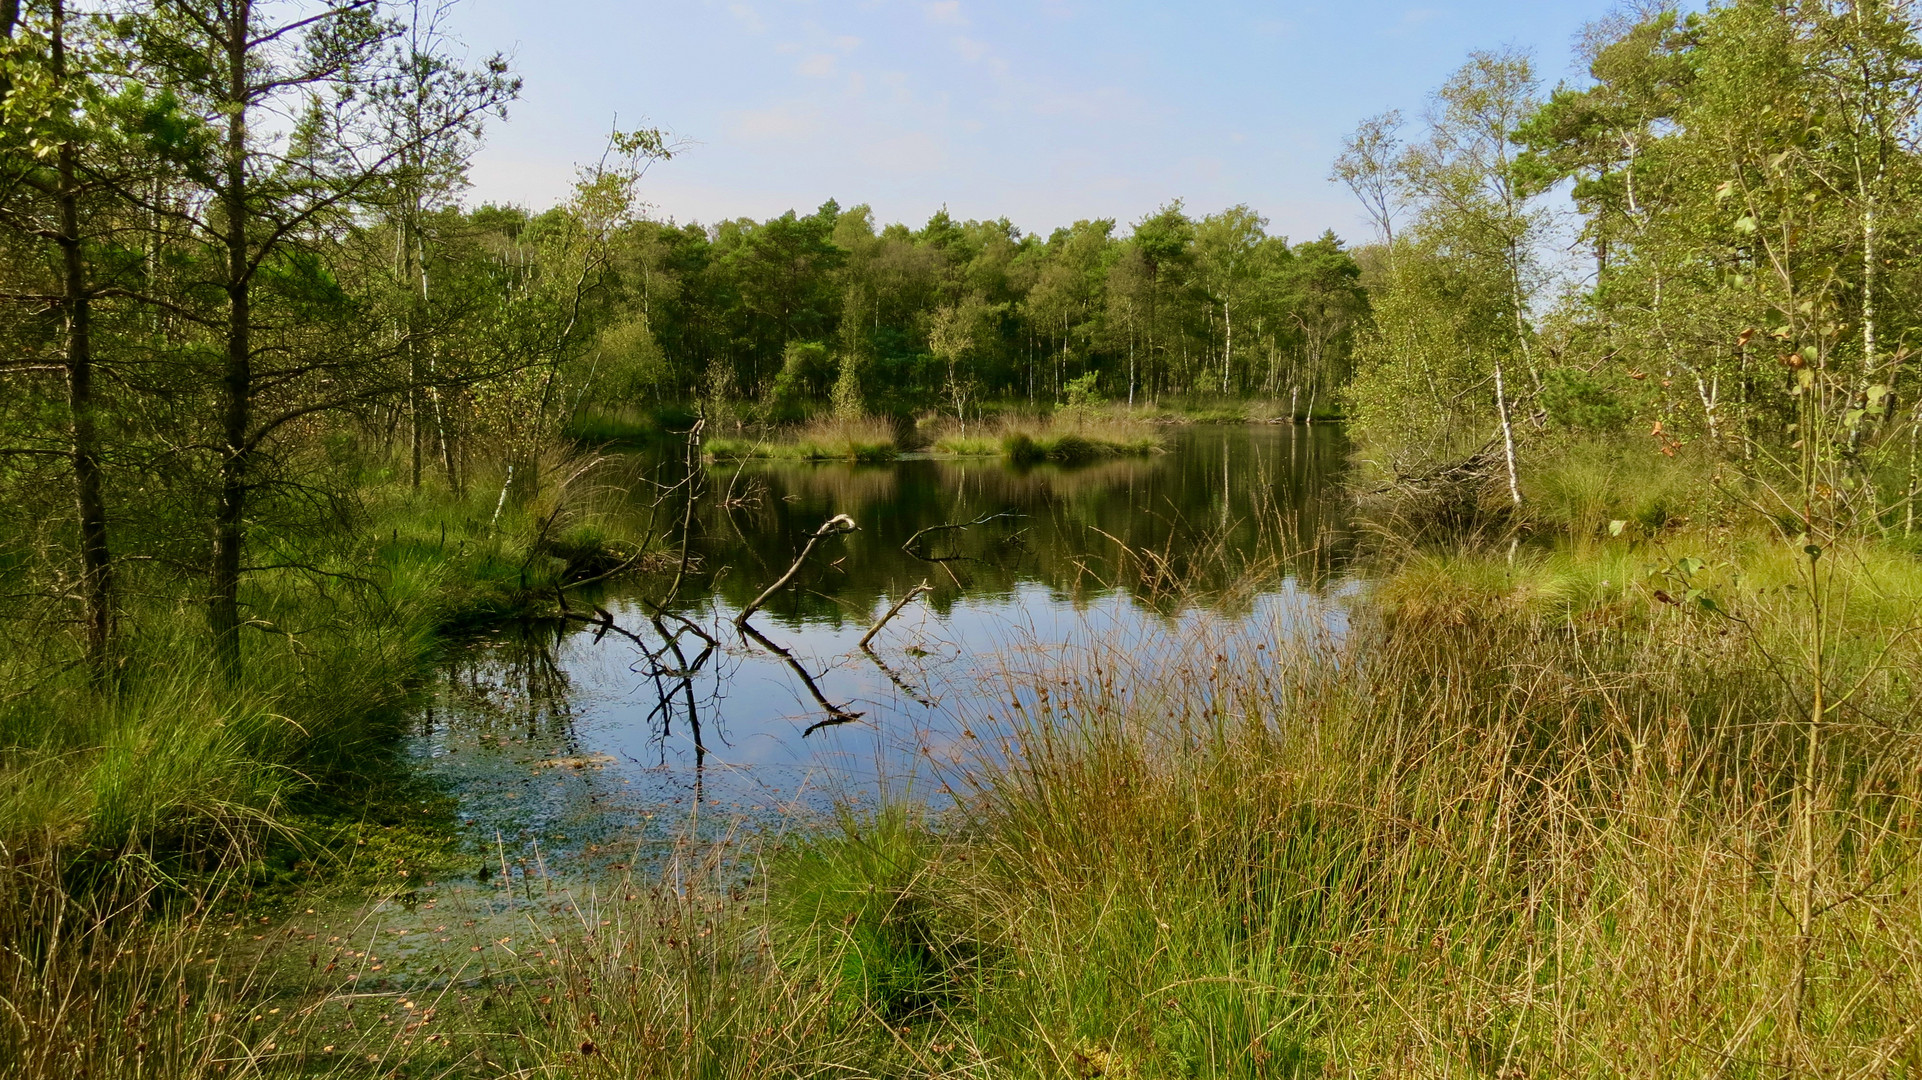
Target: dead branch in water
[
  {"x": 839, "y": 523},
  {"x": 912, "y": 541},
  {"x": 602, "y": 621},
  {"x": 924, "y": 587},
  {"x": 836, "y": 714},
  {"x": 901, "y": 684}
]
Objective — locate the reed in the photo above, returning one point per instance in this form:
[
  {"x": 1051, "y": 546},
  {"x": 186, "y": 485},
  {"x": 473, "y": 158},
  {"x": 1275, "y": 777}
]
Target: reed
[
  {"x": 834, "y": 439},
  {"x": 1066, "y": 436}
]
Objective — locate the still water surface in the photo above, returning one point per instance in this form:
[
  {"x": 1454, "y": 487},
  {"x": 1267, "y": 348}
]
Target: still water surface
[{"x": 571, "y": 746}]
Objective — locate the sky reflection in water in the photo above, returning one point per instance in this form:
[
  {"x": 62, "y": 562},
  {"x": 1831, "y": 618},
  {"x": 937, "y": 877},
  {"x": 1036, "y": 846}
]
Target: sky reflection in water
[{"x": 562, "y": 751}]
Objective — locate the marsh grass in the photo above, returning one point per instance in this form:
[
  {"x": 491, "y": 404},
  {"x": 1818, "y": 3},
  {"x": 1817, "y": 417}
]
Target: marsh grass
[
  {"x": 834, "y": 439},
  {"x": 131, "y": 979},
  {"x": 627, "y": 426},
  {"x": 1526, "y": 810},
  {"x": 1521, "y": 821},
  {"x": 1579, "y": 489},
  {"x": 123, "y": 806},
  {"x": 1066, "y": 436},
  {"x": 1214, "y": 410}
]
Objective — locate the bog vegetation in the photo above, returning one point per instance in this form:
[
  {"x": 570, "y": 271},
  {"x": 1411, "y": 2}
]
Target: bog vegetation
[{"x": 1614, "y": 770}]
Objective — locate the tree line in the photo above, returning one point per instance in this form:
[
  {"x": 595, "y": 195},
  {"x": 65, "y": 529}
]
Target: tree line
[
  {"x": 1745, "y": 221},
  {"x": 803, "y": 312}
]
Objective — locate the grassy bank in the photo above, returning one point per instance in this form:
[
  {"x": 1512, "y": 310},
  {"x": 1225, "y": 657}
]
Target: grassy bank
[
  {"x": 628, "y": 426},
  {"x": 866, "y": 440},
  {"x": 1066, "y": 437},
  {"x": 1254, "y": 410},
  {"x": 1522, "y": 818},
  {"x": 1014, "y": 431},
  {"x": 171, "y": 790},
  {"x": 1548, "y": 803}
]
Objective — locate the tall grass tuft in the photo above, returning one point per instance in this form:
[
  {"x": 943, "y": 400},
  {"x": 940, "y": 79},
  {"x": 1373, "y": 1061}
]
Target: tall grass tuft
[
  {"x": 866, "y": 439},
  {"x": 1067, "y": 436}
]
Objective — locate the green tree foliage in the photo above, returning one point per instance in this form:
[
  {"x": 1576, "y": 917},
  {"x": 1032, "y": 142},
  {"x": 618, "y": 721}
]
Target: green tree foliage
[
  {"x": 957, "y": 313},
  {"x": 188, "y": 192},
  {"x": 1745, "y": 178}
]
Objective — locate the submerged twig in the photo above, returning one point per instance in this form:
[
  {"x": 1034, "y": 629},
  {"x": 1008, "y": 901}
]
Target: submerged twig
[
  {"x": 839, "y": 523},
  {"x": 836, "y": 714},
  {"x": 900, "y": 684},
  {"x": 603, "y": 621}
]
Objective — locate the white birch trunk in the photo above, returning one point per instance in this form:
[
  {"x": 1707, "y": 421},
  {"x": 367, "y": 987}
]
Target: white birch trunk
[{"x": 1508, "y": 435}]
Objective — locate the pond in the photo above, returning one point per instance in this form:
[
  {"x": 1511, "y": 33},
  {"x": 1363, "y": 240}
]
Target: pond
[{"x": 576, "y": 745}]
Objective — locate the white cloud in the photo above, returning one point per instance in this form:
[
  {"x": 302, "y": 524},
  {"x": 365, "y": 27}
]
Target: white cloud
[
  {"x": 818, "y": 66},
  {"x": 749, "y": 18},
  {"x": 971, "y": 50},
  {"x": 947, "y": 12}
]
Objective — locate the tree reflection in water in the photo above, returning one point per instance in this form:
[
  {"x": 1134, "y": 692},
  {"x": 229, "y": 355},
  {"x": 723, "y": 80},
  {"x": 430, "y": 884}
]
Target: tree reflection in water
[{"x": 1242, "y": 526}]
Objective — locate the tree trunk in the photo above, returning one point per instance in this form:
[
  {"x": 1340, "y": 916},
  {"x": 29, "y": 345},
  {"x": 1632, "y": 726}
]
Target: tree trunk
[
  {"x": 440, "y": 412},
  {"x": 1227, "y": 346},
  {"x": 415, "y": 274},
  {"x": 237, "y": 377},
  {"x": 9, "y": 16},
  {"x": 1868, "y": 282},
  {"x": 1508, "y": 435},
  {"x": 96, "y": 566},
  {"x": 1131, "y": 363},
  {"x": 1521, "y": 324}
]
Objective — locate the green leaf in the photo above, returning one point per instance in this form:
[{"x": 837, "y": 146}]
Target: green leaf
[
  {"x": 1615, "y": 527},
  {"x": 1690, "y": 566},
  {"x": 1745, "y": 224}
]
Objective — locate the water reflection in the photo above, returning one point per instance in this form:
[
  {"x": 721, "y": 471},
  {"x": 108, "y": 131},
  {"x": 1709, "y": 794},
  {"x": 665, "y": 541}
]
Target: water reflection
[{"x": 647, "y": 708}]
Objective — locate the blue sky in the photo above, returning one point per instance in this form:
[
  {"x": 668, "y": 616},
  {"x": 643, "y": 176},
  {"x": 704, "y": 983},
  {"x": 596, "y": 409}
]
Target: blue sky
[{"x": 1045, "y": 111}]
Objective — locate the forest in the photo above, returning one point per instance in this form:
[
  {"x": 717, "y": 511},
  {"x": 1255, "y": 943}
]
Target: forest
[
  {"x": 801, "y": 313},
  {"x": 1610, "y": 768}
]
